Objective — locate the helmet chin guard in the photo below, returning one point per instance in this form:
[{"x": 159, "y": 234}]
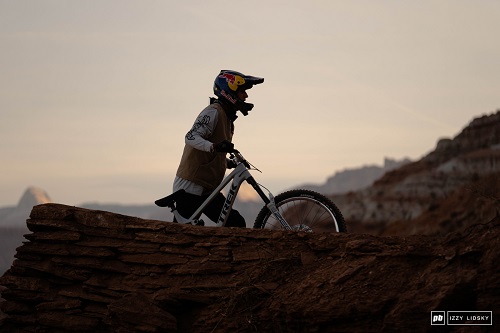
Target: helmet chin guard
[{"x": 228, "y": 82}]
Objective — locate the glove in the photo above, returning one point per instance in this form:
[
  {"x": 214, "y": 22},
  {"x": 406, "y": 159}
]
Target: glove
[
  {"x": 224, "y": 147},
  {"x": 230, "y": 164}
]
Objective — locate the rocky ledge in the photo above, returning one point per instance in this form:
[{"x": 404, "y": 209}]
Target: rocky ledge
[{"x": 92, "y": 271}]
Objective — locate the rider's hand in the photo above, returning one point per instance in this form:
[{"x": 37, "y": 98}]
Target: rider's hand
[
  {"x": 230, "y": 164},
  {"x": 224, "y": 147}
]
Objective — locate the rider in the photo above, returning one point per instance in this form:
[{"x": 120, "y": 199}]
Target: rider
[{"x": 203, "y": 163}]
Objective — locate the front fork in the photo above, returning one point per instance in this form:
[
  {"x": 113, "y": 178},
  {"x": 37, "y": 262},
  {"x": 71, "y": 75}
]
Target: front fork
[{"x": 270, "y": 203}]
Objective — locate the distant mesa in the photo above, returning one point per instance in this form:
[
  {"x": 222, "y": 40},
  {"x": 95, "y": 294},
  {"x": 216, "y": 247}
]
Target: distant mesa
[
  {"x": 356, "y": 179},
  {"x": 33, "y": 196},
  {"x": 15, "y": 216}
]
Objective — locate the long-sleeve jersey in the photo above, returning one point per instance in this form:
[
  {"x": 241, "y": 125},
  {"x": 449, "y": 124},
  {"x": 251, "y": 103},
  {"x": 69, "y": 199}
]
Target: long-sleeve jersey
[{"x": 202, "y": 128}]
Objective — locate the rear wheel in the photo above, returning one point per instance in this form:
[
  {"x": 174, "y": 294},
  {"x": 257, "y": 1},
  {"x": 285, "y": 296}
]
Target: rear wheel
[{"x": 304, "y": 210}]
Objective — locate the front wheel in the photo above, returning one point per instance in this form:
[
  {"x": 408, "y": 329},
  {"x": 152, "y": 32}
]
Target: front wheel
[{"x": 304, "y": 210}]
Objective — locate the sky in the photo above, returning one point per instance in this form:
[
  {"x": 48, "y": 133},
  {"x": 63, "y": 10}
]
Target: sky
[{"x": 97, "y": 95}]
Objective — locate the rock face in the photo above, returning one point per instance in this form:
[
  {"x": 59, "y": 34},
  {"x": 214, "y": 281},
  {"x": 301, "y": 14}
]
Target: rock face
[
  {"x": 92, "y": 271},
  {"x": 454, "y": 186}
]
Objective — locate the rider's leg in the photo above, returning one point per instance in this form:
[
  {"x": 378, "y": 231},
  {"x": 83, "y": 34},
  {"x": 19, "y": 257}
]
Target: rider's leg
[
  {"x": 236, "y": 220},
  {"x": 215, "y": 207},
  {"x": 188, "y": 203}
]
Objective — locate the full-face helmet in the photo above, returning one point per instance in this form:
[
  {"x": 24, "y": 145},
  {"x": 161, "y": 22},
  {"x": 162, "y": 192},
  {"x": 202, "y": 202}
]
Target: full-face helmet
[{"x": 228, "y": 82}]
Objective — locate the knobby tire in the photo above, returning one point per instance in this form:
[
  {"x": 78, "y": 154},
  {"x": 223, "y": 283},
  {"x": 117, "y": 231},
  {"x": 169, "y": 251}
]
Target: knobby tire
[{"x": 304, "y": 210}]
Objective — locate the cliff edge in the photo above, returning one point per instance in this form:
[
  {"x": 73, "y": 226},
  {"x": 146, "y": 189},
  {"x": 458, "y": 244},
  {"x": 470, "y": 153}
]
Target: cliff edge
[{"x": 92, "y": 271}]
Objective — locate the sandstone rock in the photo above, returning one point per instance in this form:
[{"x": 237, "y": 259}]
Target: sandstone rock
[
  {"x": 91, "y": 271},
  {"x": 431, "y": 196}
]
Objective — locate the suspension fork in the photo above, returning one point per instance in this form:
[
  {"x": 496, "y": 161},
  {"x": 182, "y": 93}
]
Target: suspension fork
[{"x": 270, "y": 204}]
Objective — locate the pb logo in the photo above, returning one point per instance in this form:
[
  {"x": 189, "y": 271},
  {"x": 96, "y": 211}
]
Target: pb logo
[{"x": 438, "y": 318}]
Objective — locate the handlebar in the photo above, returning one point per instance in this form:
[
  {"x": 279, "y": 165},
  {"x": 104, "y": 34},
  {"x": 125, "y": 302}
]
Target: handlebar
[{"x": 236, "y": 155}]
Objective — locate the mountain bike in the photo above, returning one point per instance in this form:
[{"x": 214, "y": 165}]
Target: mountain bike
[{"x": 296, "y": 210}]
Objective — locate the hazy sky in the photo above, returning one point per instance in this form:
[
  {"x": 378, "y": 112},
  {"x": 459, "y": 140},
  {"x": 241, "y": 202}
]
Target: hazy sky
[{"x": 96, "y": 96}]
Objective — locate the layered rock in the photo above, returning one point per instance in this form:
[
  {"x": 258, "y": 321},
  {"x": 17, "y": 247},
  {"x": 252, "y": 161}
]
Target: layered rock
[
  {"x": 92, "y": 271},
  {"x": 467, "y": 166}
]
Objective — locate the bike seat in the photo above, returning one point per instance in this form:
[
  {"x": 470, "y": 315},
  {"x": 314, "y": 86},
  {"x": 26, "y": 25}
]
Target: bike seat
[{"x": 169, "y": 201}]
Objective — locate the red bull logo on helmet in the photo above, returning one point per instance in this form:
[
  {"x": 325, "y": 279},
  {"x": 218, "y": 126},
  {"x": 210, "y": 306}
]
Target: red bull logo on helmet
[
  {"x": 229, "y": 98},
  {"x": 233, "y": 81}
]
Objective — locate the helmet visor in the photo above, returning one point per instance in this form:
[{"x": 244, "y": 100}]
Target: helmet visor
[{"x": 250, "y": 81}]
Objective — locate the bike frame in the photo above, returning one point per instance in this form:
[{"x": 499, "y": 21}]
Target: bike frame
[{"x": 240, "y": 174}]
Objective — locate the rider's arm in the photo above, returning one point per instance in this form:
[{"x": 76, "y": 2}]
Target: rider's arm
[{"x": 202, "y": 129}]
